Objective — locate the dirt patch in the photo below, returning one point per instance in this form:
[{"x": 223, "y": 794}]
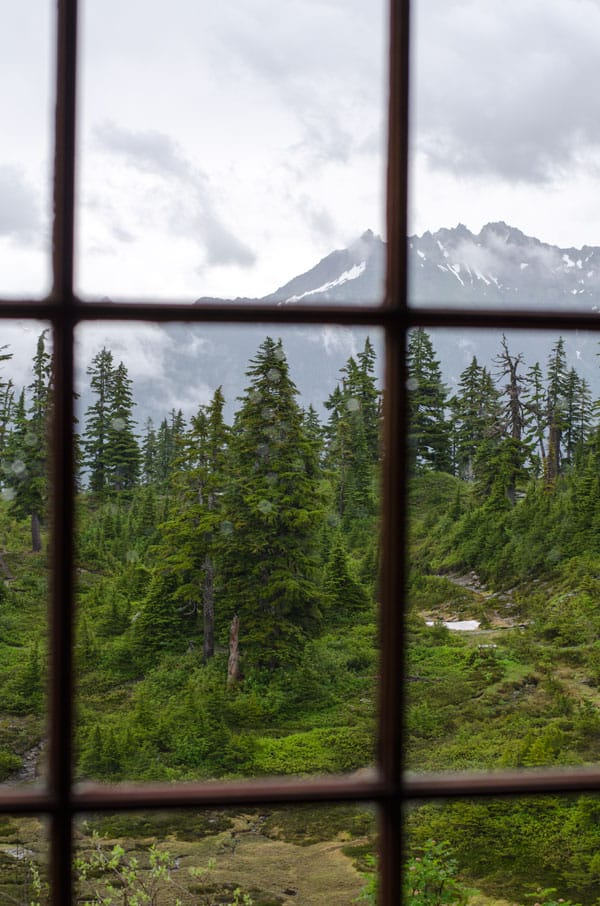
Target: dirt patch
[{"x": 316, "y": 875}]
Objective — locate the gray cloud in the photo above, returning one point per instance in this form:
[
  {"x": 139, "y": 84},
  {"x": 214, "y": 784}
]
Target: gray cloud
[
  {"x": 322, "y": 61},
  {"x": 188, "y": 200},
  {"x": 19, "y": 206},
  {"x": 508, "y": 87}
]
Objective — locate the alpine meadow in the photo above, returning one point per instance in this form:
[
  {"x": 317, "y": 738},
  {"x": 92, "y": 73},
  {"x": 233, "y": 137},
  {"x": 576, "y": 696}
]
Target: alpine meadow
[{"x": 227, "y": 624}]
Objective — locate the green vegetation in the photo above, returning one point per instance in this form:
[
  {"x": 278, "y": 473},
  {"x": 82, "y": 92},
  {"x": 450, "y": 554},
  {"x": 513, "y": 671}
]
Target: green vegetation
[{"x": 227, "y": 613}]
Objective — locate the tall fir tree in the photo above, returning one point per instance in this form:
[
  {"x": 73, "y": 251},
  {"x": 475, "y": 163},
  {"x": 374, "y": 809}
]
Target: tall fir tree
[
  {"x": 275, "y": 512},
  {"x": 191, "y": 537},
  {"x": 429, "y": 430},
  {"x": 476, "y": 421},
  {"x": 557, "y": 384},
  {"x": 122, "y": 453},
  {"x": 353, "y": 441},
  {"x": 110, "y": 449},
  {"x": 7, "y": 403},
  {"x": 28, "y": 446},
  {"x": 98, "y": 415}
]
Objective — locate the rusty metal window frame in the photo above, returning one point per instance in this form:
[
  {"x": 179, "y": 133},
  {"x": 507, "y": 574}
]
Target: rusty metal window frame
[{"x": 389, "y": 786}]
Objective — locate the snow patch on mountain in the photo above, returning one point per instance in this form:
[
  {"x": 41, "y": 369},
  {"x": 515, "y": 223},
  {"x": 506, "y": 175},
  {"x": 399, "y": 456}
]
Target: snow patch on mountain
[{"x": 350, "y": 274}]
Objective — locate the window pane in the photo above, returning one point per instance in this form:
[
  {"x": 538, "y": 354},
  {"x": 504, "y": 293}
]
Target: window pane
[
  {"x": 225, "y": 150},
  {"x": 504, "y": 156},
  {"x": 26, "y": 109},
  {"x": 227, "y": 550},
  {"x": 526, "y": 850},
  {"x": 25, "y": 414},
  {"x": 504, "y": 554},
  {"x": 23, "y": 859},
  {"x": 307, "y": 854}
]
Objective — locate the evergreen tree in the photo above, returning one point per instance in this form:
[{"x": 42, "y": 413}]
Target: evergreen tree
[
  {"x": 28, "y": 446},
  {"x": 557, "y": 385},
  {"x": 577, "y": 416},
  {"x": 350, "y": 458},
  {"x": 110, "y": 449},
  {"x": 274, "y": 508},
  {"x": 429, "y": 432},
  {"x": 515, "y": 449},
  {"x": 536, "y": 406},
  {"x": 121, "y": 450},
  {"x": 369, "y": 397},
  {"x": 149, "y": 454},
  {"x": 476, "y": 421},
  {"x": 346, "y": 597},
  {"x": 98, "y": 415},
  {"x": 7, "y": 403},
  {"x": 168, "y": 442},
  {"x": 190, "y": 538}
]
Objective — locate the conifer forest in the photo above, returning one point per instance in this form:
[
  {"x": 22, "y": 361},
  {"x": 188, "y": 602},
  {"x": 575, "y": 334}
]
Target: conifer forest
[{"x": 227, "y": 625}]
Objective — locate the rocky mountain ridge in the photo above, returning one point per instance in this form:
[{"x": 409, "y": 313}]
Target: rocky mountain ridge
[{"x": 498, "y": 267}]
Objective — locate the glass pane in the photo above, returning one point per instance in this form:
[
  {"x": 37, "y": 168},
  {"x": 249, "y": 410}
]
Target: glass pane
[
  {"x": 265, "y": 855},
  {"x": 26, "y": 110},
  {"x": 25, "y": 415},
  {"x": 245, "y": 149},
  {"x": 527, "y": 850},
  {"x": 23, "y": 860},
  {"x": 504, "y": 555},
  {"x": 504, "y": 155},
  {"x": 227, "y": 550}
]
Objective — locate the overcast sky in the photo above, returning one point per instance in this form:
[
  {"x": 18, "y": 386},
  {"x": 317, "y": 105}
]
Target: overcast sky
[{"x": 226, "y": 147}]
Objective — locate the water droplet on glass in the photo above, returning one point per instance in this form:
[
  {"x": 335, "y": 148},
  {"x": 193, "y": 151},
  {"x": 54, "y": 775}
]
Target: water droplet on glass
[
  {"x": 353, "y": 405},
  {"x": 30, "y": 439},
  {"x": 273, "y": 374},
  {"x": 8, "y": 494},
  {"x": 412, "y": 384},
  {"x": 118, "y": 424},
  {"x": 227, "y": 528},
  {"x": 263, "y": 450},
  {"x": 266, "y": 507},
  {"x": 18, "y": 467},
  {"x": 132, "y": 556}
]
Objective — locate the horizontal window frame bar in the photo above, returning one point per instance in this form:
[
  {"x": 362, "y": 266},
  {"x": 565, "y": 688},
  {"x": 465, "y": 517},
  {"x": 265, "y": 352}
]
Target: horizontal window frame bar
[
  {"x": 284, "y": 791},
  {"x": 359, "y": 316}
]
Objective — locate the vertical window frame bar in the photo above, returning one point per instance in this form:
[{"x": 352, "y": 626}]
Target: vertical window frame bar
[
  {"x": 391, "y": 725},
  {"x": 62, "y": 599}
]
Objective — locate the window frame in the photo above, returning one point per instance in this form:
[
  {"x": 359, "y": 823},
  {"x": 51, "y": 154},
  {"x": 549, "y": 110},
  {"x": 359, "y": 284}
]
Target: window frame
[{"x": 388, "y": 785}]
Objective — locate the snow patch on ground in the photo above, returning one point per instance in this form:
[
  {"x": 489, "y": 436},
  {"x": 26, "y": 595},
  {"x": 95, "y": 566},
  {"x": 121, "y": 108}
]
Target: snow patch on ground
[{"x": 458, "y": 625}]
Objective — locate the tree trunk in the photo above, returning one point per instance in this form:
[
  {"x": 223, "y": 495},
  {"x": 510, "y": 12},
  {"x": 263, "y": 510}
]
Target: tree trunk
[
  {"x": 36, "y": 533},
  {"x": 553, "y": 459},
  {"x": 5, "y": 568},
  {"x": 208, "y": 610},
  {"x": 233, "y": 666}
]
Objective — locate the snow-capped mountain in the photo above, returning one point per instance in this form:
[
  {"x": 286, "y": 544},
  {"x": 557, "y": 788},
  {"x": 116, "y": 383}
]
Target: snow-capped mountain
[
  {"x": 498, "y": 267},
  {"x": 181, "y": 364},
  {"x": 501, "y": 266},
  {"x": 355, "y": 274}
]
